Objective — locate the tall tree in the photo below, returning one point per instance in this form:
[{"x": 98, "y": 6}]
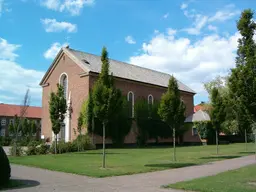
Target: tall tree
[
  {"x": 217, "y": 114},
  {"x": 107, "y": 100},
  {"x": 57, "y": 110},
  {"x": 242, "y": 82},
  {"x": 172, "y": 109}
]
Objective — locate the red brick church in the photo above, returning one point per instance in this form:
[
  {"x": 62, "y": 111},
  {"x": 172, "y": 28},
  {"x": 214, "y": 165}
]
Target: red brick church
[{"x": 77, "y": 71}]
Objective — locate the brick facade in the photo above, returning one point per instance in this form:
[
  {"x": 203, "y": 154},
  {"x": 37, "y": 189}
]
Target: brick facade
[{"x": 79, "y": 85}]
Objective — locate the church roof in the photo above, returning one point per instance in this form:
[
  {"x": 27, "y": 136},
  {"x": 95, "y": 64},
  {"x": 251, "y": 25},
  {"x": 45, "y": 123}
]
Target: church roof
[
  {"x": 92, "y": 63},
  {"x": 198, "y": 116},
  {"x": 127, "y": 71}
]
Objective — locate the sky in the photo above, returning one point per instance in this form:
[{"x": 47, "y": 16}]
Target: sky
[{"x": 194, "y": 40}]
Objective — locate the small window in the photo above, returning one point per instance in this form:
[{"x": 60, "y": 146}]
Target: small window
[
  {"x": 2, "y": 132},
  {"x": 194, "y": 131},
  {"x": 150, "y": 99},
  {"x": 3, "y": 122},
  {"x": 130, "y": 98}
]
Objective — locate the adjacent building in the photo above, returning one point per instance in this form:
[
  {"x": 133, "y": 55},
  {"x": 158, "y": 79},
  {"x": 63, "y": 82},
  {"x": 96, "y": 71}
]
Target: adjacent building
[
  {"x": 77, "y": 71},
  {"x": 8, "y": 112}
]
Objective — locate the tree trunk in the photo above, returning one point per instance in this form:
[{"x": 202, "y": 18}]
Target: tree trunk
[
  {"x": 174, "y": 146},
  {"x": 255, "y": 142},
  {"x": 103, "y": 142},
  {"x": 55, "y": 150},
  {"x": 217, "y": 143},
  {"x": 245, "y": 138}
]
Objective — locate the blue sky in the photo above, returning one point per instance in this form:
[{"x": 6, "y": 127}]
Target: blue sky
[{"x": 192, "y": 39}]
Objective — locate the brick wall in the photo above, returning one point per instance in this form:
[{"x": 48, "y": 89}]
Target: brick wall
[{"x": 79, "y": 87}]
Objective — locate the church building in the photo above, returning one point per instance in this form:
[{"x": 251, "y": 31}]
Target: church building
[{"x": 77, "y": 71}]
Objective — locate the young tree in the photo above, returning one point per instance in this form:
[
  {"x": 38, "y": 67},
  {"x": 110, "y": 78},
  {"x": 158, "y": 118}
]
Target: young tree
[
  {"x": 242, "y": 82},
  {"x": 107, "y": 100},
  {"x": 217, "y": 114},
  {"x": 17, "y": 127},
  {"x": 172, "y": 109},
  {"x": 57, "y": 110}
]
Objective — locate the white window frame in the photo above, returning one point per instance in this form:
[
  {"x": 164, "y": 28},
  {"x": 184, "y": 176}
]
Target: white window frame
[
  {"x": 2, "y": 132},
  {"x": 3, "y": 122},
  {"x": 150, "y": 95},
  {"x": 61, "y": 81},
  {"x": 132, "y": 101}
]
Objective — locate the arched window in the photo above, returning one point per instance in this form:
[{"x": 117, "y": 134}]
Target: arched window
[
  {"x": 130, "y": 99},
  {"x": 150, "y": 99},
  {"x": 64, "y": 83}
]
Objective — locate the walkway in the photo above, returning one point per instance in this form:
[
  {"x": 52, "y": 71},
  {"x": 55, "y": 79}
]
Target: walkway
[{"x": 147, "y": 182}]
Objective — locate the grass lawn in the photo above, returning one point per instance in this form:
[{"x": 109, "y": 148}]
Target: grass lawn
[
  {"x": 240, "y": 180},
  {"x": 130, "y": 161}
]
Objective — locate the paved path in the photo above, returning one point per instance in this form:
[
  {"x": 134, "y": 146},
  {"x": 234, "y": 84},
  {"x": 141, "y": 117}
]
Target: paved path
[{"x": 147, "y": 182}]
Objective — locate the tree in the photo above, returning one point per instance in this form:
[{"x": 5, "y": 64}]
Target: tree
[
  {"x": 57, "y": 110},
  {"x": 242, "y": 82},
  {"x": 17, "y": 127},
  {"x": 107, "y": 100},
  {"x": 217, "y": 114},
  {"x": 172, "y": 109}
]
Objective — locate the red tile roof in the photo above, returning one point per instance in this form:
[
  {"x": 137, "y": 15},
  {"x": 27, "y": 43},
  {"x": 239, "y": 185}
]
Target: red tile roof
[
  {"x": 9, "y": 110},
  {"x": 202, "y": 106}
]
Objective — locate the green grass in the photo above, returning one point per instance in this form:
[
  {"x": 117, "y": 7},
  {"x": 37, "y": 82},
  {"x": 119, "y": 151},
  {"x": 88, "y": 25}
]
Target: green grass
[
  {"x": 240, "y": 180},
  {"x": 130, "y": 161}
]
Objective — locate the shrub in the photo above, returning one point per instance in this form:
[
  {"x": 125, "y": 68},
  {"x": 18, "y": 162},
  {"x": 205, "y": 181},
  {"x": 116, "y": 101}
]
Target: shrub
[
  {"x": 5, "y": 168},
  {"x": 35, "y": 148},
  {"x": 19, "y": 150},
  {"x": 5, "y": 141},
  {"x": 83, "y": 142}
]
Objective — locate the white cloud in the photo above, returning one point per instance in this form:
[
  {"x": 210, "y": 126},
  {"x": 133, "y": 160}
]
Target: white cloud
[
  {"x": 171, "y": 31},
  {"x": 51, "y": 4},
  {"x": 51, "y": 25},
  {"x": 200, "y": 21},
  {"x": 73, "y": 7},
  {"x": 212, "y": 28},
  {"x": 17, "y": 78},
  {"x": 184, "y": 6},
  {"x": 192, "y": 63},
  {"x": 7, "y": 50},
  {"x": 198, "y": 24},
  {"x": 225, "y": 14},
  {"x": 53, "y": 50},
  {"x": 166, "y": 16},
  {"x": 129, "y": 39}
]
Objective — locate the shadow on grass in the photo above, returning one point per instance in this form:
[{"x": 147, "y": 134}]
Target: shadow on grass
[
  {"x": 247, "y": 152},
  {"x": 221, "y": 157},
  {"x": 19, "y": 184},
  {"x": 171, "y": 165},
  {"x": 88, "y": 153}
]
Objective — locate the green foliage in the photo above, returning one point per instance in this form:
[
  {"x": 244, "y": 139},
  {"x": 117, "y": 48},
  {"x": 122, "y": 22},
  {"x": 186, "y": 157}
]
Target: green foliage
[
  {"x": 37, "y": 148},
  {"x": 5, "y": 141},
  {"x": 172, "y": 109},
  {"x": 242, "y": 82},
  {"x": 217, "y": 112},
  {"x": 5, "y": 168},
  {"x": 149, "y": 123},
  {"x": 19, "y": 150},
  {"x": 107, "y": 107},
  {"x": 206, "y": 131},
  {"x": 57, "y": 108},
  {"x": 81, "y": 143}
]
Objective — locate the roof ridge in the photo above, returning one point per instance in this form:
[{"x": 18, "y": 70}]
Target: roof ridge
[
  {"x": 18, "y": 105},
  {"x": 133, "y": 65},
  {"x": 125, "y": 63}
]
